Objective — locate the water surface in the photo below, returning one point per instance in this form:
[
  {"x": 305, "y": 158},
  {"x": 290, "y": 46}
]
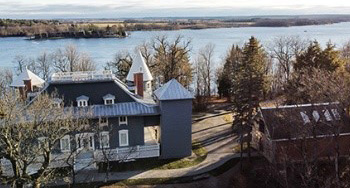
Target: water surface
[{"x": 103, "y": 49}]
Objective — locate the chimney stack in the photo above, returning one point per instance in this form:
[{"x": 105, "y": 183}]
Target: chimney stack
[
  {"x": 138, "y": 82},
  {"x": 28, "y": 85}
]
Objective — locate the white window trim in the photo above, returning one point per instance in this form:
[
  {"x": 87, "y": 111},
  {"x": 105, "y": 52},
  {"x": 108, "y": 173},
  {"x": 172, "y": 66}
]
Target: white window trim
[
  {"x": 79, "y": 138},
  {"x": 61, "y": 143},
  {"x": 127, "y": 138},
  {"x": 105, "y": 133},
  {"x": 109, "y": 99},
  {"x": 123, "y": 122},
  {"x": 82, "y": 103}
]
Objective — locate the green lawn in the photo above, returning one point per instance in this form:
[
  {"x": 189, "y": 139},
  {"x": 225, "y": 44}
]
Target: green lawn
[{"x": 161, "y": 164}]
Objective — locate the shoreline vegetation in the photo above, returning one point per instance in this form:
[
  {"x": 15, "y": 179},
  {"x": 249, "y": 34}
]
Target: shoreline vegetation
[{"x": 119, "y": 28}]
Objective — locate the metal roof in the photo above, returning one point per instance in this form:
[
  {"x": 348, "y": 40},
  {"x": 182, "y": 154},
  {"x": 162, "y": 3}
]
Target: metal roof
[
  {"x": 83, "y": 97},
  {"x": 27, "y": 75},
  {"x": 305, "y": 120},
  {"x": 118, "y": 109},
  {"x": 109, "y": 96},
  {"x": 139, "y": 65},
  {"x": 173, "y": 90}
]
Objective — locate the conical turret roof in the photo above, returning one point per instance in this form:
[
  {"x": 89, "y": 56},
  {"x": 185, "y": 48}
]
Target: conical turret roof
[
  {"x": 27, "y": 75},
  {"x": 139, "y": 65}
]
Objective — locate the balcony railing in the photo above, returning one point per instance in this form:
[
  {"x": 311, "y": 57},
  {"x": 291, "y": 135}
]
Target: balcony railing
[{"x": 82, "y": 76}]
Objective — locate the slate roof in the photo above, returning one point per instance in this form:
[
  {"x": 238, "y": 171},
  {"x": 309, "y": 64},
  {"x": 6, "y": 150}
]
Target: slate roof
[
  {"x": 118, "y": 109},
  {"x": 291, "y": 122},
  {"x": 172, "y": 90},
  {"x": 139, "y": 65},
  {"x": 27, "y": 75}
]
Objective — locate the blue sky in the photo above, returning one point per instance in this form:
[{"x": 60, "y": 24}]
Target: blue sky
[{"x": 166, "y": 8}]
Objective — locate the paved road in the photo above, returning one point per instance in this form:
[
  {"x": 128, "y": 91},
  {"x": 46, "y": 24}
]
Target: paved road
[{"x": 215, "y": 134}]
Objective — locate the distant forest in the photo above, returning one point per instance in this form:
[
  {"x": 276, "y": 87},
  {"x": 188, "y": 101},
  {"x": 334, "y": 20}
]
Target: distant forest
[
  {"x": 98, "y": 28},
  {"x": 43, "y": 29}
]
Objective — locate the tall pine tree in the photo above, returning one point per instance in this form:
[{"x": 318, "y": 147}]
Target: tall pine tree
[
  {"x": 313, "y": 59},
  {"x": 249, "y": 80}
]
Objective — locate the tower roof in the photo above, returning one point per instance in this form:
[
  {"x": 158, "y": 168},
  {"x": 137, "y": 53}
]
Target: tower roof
[
  {"x": 139, "y": 65},
  {"x": 173, "y": 90},
  {"x": 27, "y": 75}
]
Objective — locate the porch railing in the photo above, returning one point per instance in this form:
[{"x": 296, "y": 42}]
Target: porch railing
[
  {"x": 121, "y": 154},
  {"x": 100, "y": 155}
]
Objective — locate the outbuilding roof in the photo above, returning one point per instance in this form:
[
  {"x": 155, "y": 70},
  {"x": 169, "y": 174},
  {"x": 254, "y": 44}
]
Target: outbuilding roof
[
  {"x": 139, "y": 65},
  {"x": 27, "y": 75},
  {"x": 117, "y": 109},
  {"x": 172, "y": 90},
  {"x": 308, "y": 120}
]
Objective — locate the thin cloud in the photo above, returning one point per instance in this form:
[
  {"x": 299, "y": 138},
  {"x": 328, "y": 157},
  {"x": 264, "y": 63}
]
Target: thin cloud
[{"x": 154, "y": 8}]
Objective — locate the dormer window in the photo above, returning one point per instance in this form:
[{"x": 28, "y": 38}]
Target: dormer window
[
  {"x": 316, "y": 115},
  {"x": 335, "y": 114},
  {"x": 82, "y": 101},
  {"x": 305, "y": 117},
  {"x": 109, "y": 99},
  {"x": 327, "y": 115}
]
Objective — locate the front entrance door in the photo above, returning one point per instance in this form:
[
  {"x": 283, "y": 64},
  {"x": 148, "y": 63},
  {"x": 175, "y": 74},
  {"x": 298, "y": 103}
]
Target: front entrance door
[{"x": 85, "y": 141}]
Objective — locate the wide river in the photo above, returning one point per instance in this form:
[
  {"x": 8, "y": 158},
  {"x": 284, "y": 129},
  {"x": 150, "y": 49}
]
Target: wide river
[{"x": 103, "y": 50}]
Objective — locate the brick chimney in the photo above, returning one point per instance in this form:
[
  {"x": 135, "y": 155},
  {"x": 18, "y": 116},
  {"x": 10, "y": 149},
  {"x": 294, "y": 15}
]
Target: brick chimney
[
  {"x": 28, "y": 85},
  {"x": 138, "y": 82}
]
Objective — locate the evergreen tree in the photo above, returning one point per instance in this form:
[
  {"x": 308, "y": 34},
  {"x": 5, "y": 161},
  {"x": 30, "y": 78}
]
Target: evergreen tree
[
  {"x": 330, "y": 58},
  {"x": 311, "y": 60},
  {"x": 249, "y": 80},
  {"x": 226, "y": 76},
  {"x": 314, "y": 57}
]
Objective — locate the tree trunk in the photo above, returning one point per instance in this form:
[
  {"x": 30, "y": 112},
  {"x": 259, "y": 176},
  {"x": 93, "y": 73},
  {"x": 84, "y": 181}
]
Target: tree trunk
[
  {"x": 336, "y": 161},
  {"x": 241, "y": 157},
  {"x": 37, "y": 184}
]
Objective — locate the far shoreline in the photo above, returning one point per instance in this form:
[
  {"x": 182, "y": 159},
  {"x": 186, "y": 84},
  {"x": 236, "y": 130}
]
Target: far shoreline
[{"x": 128, "y": 32}]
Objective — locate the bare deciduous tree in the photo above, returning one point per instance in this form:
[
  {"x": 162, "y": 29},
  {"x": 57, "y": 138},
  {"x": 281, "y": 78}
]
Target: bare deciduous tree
[
  {"x": 29, "y": 137},
  {"x": 85, "y": 63},
  {"x": 70, "y": 59},
  {"x": 21, "y": 63},
  {"x": 206, "y": 62},
  {"x": 284, "y": 51},
  {"x": 171, "y": 60},
  {"x": 120, "y": 65},
  {"x": 72, "y": 56},
  {"x": 43, "y": 64},
  {"x": 6, "y": 77}
]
